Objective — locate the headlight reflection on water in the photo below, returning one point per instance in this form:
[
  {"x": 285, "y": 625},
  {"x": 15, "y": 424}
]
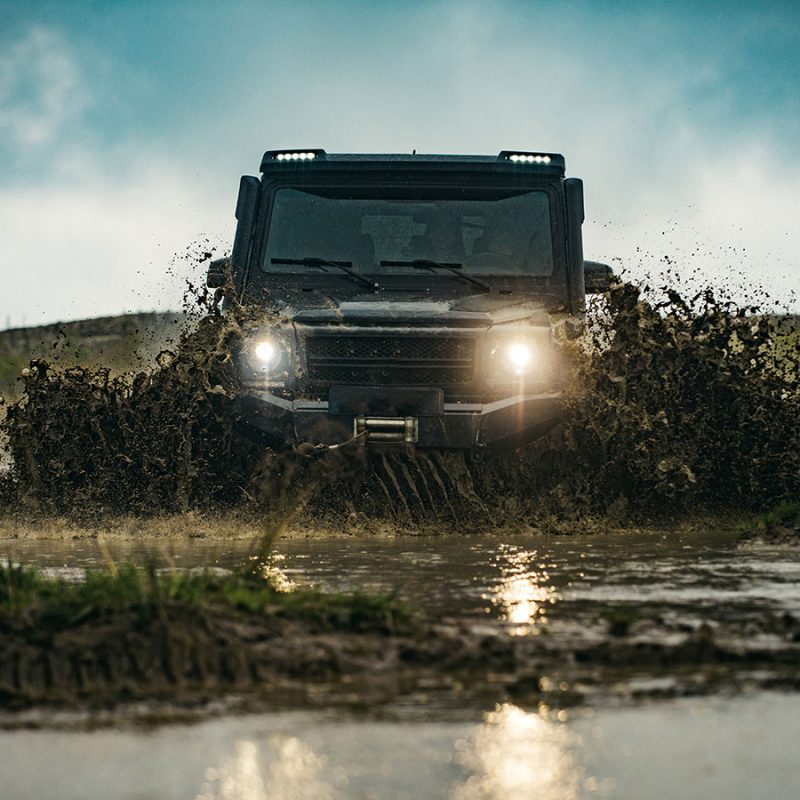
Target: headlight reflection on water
[
  {"x": 512, "y": 754},
  {"x": 516, "y": 754},
  {"x": 524, "y": 592},
  {"x": 292, "y": 771}
]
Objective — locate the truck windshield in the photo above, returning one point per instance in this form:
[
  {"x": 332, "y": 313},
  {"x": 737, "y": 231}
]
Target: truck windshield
[{"x": 485, "y": 231}]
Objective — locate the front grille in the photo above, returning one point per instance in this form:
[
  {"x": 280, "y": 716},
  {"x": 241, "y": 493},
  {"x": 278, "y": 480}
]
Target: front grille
[{"x": 391, "y": 360}]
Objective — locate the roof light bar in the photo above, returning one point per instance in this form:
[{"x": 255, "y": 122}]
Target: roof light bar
[
  {"x": 529, "y": 158},
  {"x": 301, "y": 155},
  {"x": 294, "y": 155}
]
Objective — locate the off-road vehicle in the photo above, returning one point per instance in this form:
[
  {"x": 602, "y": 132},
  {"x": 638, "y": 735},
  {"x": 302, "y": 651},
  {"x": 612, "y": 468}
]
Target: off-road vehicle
[{"x": 407, "y": 299}]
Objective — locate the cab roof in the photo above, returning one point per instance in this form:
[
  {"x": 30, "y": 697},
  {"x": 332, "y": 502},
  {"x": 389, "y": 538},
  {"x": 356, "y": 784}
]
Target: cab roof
[{"x": 311, "y": 159}]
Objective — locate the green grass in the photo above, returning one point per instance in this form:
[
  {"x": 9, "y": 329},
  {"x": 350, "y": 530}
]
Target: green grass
[
  {"x": 785, "y": 514},
  {"x": 785, "y": 517},
  {"x": 145, "y": 593}
]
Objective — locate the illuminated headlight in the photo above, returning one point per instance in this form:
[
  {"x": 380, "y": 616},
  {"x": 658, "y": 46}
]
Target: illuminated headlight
[
  {"x": 265, "y": 352},
  {"x": 521, "y": 354},
  {"x": 267, "y": 359},
  {"x": 268, "y": 355}
]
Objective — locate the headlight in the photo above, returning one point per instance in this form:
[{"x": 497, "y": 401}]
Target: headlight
[
  {"x": 266, "y": 352},
  {"x": 518, "y": 355},
  {"x": 269, "y": 356}
]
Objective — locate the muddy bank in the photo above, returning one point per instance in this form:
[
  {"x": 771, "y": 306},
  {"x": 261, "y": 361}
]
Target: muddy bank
[
  {"x": 187, "y": 651},
  {"x": 231, "y": 525},
  {"x": 190, "y": 658}
]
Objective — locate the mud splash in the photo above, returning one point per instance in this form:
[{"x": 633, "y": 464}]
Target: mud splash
[
  {"x": 674, "y": 405},
  {"x": 164, "y": 439}
]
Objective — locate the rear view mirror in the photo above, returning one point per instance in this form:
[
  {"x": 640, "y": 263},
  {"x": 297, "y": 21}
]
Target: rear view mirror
[{"x": 597, "y": 277}]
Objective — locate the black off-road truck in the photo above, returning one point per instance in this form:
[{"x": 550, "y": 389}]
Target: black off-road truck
[{"x": 408, "y": 299}]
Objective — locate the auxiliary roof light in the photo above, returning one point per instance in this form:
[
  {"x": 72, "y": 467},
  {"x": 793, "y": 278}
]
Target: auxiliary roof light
[
  {"x": 529, "y": 158},
  {"x": 295, "y": 156}
]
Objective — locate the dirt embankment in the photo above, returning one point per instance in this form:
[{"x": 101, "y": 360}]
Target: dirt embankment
[
  {"x": 188, "y": 655},
  {"x": 122, "y": 343}
]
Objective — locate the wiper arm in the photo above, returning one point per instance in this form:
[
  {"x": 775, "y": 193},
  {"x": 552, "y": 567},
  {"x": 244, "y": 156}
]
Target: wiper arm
[
  {"x": 321, "y": 263},
  {"x": 425, "y": 263}
]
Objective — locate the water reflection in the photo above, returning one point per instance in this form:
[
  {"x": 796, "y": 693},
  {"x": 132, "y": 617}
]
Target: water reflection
[
  {"x": 512, "y": 754},
  {"x": 288, "y": 770},
  {"x": 271, "y": 569},
  {"x": 525, "y": 590},
  {"x": 517, "y": 754}
]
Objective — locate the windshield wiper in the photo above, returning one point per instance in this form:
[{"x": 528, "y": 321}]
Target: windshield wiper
[
  {"x": 321, "y": 263},
  {"x": 424, "y": 263}
]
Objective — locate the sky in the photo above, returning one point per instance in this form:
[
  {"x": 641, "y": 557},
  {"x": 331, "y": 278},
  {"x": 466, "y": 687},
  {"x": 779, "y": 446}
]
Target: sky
[{"x": 125, "y": 125}]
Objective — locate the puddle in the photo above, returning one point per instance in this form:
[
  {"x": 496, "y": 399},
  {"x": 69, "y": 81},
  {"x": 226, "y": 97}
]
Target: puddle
[
  {"x": 518, "y": 578},
  {"x": 719, "y": 746}
]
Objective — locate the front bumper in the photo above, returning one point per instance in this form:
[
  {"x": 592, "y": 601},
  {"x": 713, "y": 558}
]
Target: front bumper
[{"x": 496, "y": 425}]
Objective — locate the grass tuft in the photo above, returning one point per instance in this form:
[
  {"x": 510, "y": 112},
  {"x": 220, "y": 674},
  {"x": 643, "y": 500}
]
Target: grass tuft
[
  {"x": 146, "y": 593},
  {"x": 782, "y": 522}
]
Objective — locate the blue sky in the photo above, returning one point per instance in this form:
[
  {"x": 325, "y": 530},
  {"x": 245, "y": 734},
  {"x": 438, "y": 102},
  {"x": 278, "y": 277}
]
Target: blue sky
[{"x": 124, "y": 126}]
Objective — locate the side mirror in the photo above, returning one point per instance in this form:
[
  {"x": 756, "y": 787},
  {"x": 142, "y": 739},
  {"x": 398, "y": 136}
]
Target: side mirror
[
  {"x": 246, "y": 211},
  {"x": 217, "y": 273},
  {"x": 597, "y": 277},
  {"x": 573, "y": 189}
]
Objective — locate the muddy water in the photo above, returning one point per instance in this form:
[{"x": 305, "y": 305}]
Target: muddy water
[
  {"x": 523, "y": 580},
  {"x": 707, "y": 748},
  {"x": 617, "y": 742}
]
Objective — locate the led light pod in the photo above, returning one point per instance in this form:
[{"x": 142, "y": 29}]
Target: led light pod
[
  {"x": 529, "y": 158},
  {"x": 296, "y": 156}
]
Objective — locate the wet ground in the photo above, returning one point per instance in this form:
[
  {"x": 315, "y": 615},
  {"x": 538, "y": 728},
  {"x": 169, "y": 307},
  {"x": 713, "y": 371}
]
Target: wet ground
[{"x": 628, "y": 734}]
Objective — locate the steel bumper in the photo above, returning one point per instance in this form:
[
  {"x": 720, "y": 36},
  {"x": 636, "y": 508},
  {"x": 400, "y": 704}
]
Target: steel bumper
[{"x": 499, "y": 424}]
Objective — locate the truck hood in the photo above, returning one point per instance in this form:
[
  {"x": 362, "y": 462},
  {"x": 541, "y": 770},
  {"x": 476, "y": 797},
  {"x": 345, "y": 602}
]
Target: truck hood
[{"x": 480, "y": 310}]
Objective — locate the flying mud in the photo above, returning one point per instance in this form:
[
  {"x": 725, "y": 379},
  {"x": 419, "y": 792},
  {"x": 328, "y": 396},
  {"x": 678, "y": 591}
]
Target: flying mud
[{"x": 674, "y": 407}]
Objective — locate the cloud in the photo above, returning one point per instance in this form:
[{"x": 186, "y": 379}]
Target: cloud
[
  {"x": 647, "y": 106},
  {"x": 731, "y": 224},
  {"x": 104, "y": 245},
  {"x": 41, "y": 88}
]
